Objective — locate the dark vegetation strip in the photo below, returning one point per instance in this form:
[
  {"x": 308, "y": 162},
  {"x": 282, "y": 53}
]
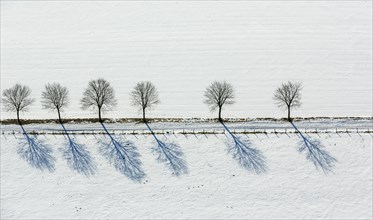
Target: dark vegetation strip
[
  {"x": 154, "y": 120},
  {"x": 189, "y": 132}
]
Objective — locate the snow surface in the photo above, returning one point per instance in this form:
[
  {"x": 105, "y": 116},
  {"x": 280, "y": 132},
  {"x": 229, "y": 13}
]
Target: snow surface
[
  {"x": 216, "y": 187},
  {"x": 183, "y": 46},
  {"x": 200, "y": 125}
]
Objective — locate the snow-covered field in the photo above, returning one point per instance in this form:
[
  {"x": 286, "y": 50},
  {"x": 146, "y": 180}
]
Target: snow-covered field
[
  {"x": 216, "y": 187},
  {"x": 183, "y": 46}
]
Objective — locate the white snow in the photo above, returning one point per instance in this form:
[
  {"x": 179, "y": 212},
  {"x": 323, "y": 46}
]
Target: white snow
[
  {"x": 183, "y": 46},
  {"x": 216, "y": 187}
]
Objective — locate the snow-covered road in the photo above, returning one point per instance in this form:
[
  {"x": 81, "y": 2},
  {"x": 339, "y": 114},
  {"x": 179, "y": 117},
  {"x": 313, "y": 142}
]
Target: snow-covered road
[{"x": 199, "y": 125}]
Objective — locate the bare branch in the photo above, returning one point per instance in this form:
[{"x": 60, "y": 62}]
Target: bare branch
[
  {"x": 55, "y": 97},
  {"x": 98, "y": 95},
  {"x": 288, "y": 95},
  {"x": 17, "y": 98},
  {"x": 144, "y": 95},
  {"x": 218, "y": 94}
]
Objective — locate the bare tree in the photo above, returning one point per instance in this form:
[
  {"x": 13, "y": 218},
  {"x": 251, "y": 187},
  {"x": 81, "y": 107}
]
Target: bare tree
[
  {"x": 122, "y": 154},
  {"x": 145, "y": 96},
  {"x": 17, "y": 99},
  {"x": 218, "y": 94},
  {"x": 34, "y": 151},
  {"x": 55, "y": 97},
  {"x": 99, "y": 95},
  {"x": 288, "y": 96}
]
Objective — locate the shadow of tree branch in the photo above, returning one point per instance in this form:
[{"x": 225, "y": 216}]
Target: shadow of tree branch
[
  {"x": 315, "y": 153},
  {"x": 36, "y": 153},
  {"x": 78, "y": 157},
  {"x": 124, "y": 156},
  {"x": 170, "y": 154},
  {"x": 248, "y": 157}
]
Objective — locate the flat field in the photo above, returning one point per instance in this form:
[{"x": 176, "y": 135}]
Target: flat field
[{"x": 215, "y": 187}]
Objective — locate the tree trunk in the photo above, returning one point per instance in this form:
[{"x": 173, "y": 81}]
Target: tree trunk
[
  {"x": 143, "y": 115},
  {"x": 289, "y": 119},
  {"x": 19, "y": 121},
  {"x": 20, "y": 124},
  {"x": 99, "y": 115},
  {"x": 220, "y": 114},
  {"x": 59, "y": 116}
]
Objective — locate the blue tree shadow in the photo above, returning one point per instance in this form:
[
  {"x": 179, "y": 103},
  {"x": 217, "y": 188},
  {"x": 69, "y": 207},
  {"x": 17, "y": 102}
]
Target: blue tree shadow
[
  {"x": 170, "y": 154},
  {"x": 248, "y": 157},
  {"x": 123, "y": 155},
  {"x": 36, "y": 153},
  {"x": 77, "y": 156},
  {"x": 315, "y": 153}
]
